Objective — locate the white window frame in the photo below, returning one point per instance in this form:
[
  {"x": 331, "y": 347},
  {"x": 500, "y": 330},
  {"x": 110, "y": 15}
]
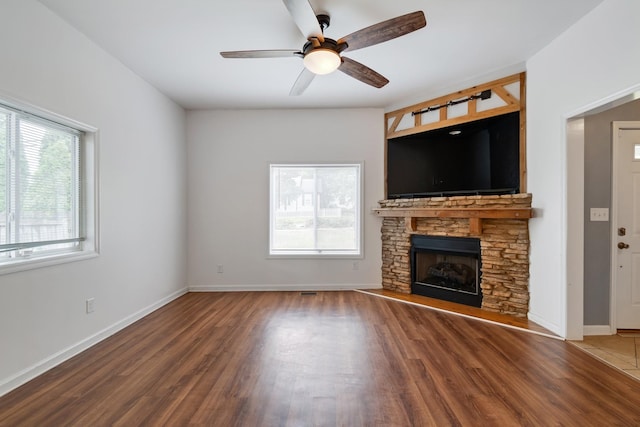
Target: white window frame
[
  {"x": 89, "y": 246},
  {"x": 357, "y": 253}
]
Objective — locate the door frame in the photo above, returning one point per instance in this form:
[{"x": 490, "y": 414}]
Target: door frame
[
  {"x": 573, "y": 207},
  {"x": 613, "y": 217}
]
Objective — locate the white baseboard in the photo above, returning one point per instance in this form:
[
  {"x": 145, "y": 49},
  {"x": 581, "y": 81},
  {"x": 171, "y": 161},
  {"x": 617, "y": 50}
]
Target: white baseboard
[
  {"x": 39, "y": 368},
  {"x": 289, "y": 288},
  {"x": 597, "y": 330}
]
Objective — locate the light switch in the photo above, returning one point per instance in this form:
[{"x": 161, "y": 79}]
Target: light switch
[{"x": 599, "y": 214}]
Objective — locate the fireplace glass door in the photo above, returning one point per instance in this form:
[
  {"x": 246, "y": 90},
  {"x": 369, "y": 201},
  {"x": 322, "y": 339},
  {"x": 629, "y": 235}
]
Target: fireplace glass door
[
  {"x": 453, "y": 272},
  {"x": 447, "y": 268}
]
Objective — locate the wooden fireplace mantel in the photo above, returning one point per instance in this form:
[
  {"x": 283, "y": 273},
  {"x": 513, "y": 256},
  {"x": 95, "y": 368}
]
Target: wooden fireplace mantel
[{"x": 475, "y": 215}]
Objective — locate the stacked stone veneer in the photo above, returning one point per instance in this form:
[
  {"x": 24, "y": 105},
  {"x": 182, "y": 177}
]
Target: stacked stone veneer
[{"x": 504, "y": 245}]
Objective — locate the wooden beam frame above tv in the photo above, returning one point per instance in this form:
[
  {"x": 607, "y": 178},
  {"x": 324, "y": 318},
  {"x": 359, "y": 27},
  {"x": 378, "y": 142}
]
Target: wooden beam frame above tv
[{"x": 490, "y": 99}]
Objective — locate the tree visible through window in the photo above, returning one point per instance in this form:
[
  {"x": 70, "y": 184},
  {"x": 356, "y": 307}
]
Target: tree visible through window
[
  {"x": 40, "y": 194},
  {"x": 315, "y": 209}
]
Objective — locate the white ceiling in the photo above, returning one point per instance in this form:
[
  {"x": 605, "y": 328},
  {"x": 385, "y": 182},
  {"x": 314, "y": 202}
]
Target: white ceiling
[{"x": 175, "y": 45}]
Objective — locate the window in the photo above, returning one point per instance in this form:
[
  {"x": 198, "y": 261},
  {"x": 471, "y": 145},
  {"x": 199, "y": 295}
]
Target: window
[
  {"x": 315, "y": 209},
  {"x": 43, "y": 190}
]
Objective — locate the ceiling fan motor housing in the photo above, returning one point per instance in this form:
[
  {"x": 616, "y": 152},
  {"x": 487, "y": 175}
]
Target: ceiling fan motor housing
[{"x": 314, "y": 43}]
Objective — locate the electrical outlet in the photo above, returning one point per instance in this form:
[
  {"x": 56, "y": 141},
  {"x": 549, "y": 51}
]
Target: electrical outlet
[
  {"x": 90, "y": 305},
  {"x": 220, "y": 269},
  {"x": 599, "y": 214},
  {"x": 356, "y": 265}
]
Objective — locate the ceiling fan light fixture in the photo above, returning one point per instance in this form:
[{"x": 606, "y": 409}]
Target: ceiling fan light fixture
[{"x": 322, "y": 61}]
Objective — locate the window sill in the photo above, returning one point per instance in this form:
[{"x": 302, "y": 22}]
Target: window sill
[
  {"x": 314, "y": 256},
  {"x": 34, "y": 263}
]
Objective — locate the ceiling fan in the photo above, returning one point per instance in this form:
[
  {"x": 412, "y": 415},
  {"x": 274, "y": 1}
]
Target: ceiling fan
[{"x": 322, "y": 55}]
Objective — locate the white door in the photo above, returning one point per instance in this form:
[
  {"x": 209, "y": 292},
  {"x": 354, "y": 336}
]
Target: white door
[{"x": 626, "y": 232}]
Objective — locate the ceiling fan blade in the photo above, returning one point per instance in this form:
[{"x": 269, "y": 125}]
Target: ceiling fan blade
[
  {"x": 385, "y": 30},
  {"x": 305, "y": 18},
  {"x": 282, "y": 53},
  {"x": 302, "y": 82},
  {"x": 362, "y": 72}
]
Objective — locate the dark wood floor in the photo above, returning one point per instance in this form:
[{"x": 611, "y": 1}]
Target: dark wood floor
[{"x": 335, "y": 359}]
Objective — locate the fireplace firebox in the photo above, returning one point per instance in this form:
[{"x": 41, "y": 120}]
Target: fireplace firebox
[{"x": 446, "y": 268}]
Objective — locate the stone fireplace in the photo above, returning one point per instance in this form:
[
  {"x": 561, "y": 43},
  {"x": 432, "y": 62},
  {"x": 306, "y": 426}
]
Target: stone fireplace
[{"x": 499, "y": 223}]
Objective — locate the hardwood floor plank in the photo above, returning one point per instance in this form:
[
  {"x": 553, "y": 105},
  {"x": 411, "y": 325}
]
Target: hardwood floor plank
[{"x": 335, "y": 358}]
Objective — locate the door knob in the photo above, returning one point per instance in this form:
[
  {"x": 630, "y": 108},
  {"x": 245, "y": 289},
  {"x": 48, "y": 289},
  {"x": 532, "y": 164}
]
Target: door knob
[{"x": 622, "y": 245}]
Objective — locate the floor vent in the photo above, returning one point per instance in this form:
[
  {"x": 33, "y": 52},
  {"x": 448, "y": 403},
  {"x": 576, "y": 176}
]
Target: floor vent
[{"x": 306, "y": 293}]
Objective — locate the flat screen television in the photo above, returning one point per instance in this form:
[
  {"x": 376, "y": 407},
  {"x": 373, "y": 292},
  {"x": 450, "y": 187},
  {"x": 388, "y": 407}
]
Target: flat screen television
[{"x": 479, "y": 157}]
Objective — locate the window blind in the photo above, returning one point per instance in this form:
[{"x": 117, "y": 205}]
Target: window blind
[{"x": 41, "y": 201}]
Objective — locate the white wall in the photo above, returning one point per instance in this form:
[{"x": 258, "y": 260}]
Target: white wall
[
  {"x": 142, "y": 134},
  {"x": 595, "y": 59},
  {"x": 228, "y": 157}
]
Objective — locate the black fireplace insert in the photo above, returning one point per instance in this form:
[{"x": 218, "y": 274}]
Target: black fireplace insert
[{"x": 446, "y": 268}]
